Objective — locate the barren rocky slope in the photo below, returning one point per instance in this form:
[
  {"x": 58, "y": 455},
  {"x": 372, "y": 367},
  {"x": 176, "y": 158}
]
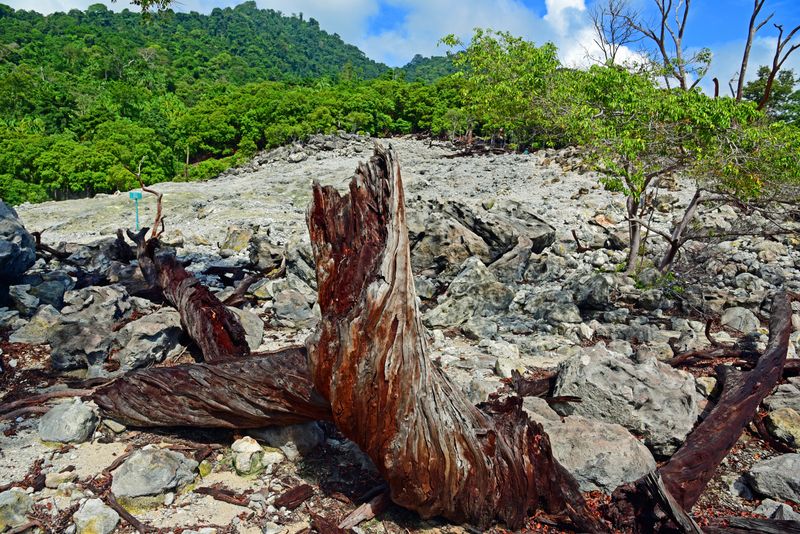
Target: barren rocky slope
[{"x": 503, "y": 286}]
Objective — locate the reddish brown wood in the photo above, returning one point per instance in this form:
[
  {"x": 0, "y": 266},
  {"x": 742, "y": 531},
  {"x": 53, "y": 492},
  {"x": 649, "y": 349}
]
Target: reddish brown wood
[
  {"x": 208, "y": 322},
  {"x": 252, "y": 392},
  {"x": 294, "y": 497},
  {"x": 439, "y": 454},
  {"x": 376, "y": 506},
  {"x": 688, "y": 471}
]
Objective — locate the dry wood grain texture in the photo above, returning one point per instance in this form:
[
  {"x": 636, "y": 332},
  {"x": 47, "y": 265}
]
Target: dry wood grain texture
[
  {"x": 439, "y": 454},
  {"x": 251, "y": 392},
  {"x": 690, "y": 469},
  {"x": 213, "y": 327}
]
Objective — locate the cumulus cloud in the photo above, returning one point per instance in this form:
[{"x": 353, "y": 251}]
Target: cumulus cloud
[{"x": 393, "y": 31}]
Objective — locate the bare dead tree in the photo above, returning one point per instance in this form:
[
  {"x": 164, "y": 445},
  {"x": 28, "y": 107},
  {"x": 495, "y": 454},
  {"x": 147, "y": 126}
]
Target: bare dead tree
[
  {"x": 782, "y": 53},
  {"x": 611, "y": 27},
  {"x": 752, "y": 30},
  {"x": 667, "y": 35}
]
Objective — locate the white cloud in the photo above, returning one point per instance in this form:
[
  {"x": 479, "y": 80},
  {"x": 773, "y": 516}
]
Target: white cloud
[{"x": 565, "y": 23}]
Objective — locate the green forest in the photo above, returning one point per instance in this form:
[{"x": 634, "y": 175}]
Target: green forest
[{"x": 89, "y": 96}]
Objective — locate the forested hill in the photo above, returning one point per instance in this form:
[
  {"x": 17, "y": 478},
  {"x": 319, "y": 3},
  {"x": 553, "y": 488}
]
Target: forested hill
[
  {"x": 238, "y": 45},
  {"x": 88, "y": 96}
]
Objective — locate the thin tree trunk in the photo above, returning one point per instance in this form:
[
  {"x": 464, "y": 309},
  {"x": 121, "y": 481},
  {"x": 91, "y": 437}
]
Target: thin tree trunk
[
  {"x": 439, "y": 454},
  {"x": 676, "y": 240},
  {"x": 634, "y": 235}
]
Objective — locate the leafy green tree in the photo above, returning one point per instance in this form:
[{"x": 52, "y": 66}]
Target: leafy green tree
[{"x": 784, "y": 101}]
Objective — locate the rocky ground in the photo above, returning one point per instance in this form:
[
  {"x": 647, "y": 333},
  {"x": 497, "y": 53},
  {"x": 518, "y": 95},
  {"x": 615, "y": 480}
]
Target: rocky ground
[{"x": 503, "y": 286}]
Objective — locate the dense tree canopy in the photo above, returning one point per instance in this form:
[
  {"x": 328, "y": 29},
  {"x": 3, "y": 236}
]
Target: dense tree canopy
[{"x": 87, "y": 95}]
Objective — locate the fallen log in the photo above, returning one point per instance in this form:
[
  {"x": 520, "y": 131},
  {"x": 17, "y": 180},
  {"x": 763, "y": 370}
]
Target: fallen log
[
  {"x": 213, "y": 327},
  {"x": 688, "y": 472},
  {"x": 690, "y": 469},
  {"x": 252, "y": 392}
]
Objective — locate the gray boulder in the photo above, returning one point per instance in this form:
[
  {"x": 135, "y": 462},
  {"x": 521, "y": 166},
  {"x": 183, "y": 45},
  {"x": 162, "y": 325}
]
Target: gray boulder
[
  {"x": 777, "y": 510},
  {"x": 49, "y": 287},
  {"x": 94, "y": 517},
  {"x": 79, "y": 344},
  {"x": 253, "y": 327},
  {"x": 293, "y": 440},
  {"x": 592, "y": 292},
  {"x": 149, "y": 340},
  {"x": 292, "y": 309},
  {"x": 83, "y": 337},
  {"x": 17, "y": 246},
  {"x": 152, "y": 471},
  {"x": 22, "y": 300},
  {"x": 441, "y": 246},
  {"x": 14, "y": 507},
  {"x": 740, "y": 319},
  {"x": 785, "y": 396},
  {"x": 778, "y": 477},
  {"x": 265, "y": 255},
  {"x": 474, "y": 292},
  {"x": 93, "y": 305},
  {"x": 602, "y": 456},
  {"x": 649, "y": 398},
  {"x": 68, "y": 422}
]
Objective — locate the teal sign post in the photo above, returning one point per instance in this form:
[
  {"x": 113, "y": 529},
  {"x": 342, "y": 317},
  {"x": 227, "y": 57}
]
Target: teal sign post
[{"x": 135, "y": 196}]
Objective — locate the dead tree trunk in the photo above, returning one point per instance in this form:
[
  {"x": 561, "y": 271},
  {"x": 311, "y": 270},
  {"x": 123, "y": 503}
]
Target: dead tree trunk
[
  {"x": 438, "y": 453},
  {"x": 213, "y": 327},
  {"x": 252, "y": 392},
  {"x": 688, "y": 472}
]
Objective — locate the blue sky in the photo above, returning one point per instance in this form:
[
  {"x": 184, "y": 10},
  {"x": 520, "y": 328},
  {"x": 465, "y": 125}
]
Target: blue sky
[{"x": 392, "y": 31}]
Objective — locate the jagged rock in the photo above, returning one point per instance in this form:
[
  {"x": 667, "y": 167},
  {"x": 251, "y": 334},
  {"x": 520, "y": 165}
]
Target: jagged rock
[
  {"x": 545, "y": 268},
  {"x": 17, "y": 246},
  {"x": 106, "y": 304},
  {"x": 49, "y": 287},
  {"x": 293, "y": 309},
  {"x": 265, "y": 255},
  {"x": 777, "y": 510},
  {"x": 83, "y": 337},
  {"x": 602, "y": 456},
  {"x": 777, "y": 477},
  {"x": 297, "y": 157},
  {"x": 149, "y": 340},
  {"x": 38, "y": 328},
  {"x": 237, "y": 238},
  {"x": 68, "y": 422},
  {"x": 592, "y": 292},
  {"x": 785, "y": 396},
  {"x": 740, "y": 319},
  {"x": 784, "y": 425},
  {"x": 660, "y": 350},
  {"x": 22, "y": 300},
  {"x": 554, "y": 306},
  {"x": 94, "y": 517},
  {"x": 650, "y": 399},
  {"x": 473, "y": 292},
  {"x": 479, "y": 328},
  {"x": 442, "y": 245},
  {"x": 77, "y": 345},
  {"x": 247, "y": 456},
  {"x": 293, "y": 440},
  {"x": 253, "y": 327},
  {"x": 14, "y": 506},
  {"x": 151, "y": 471}
]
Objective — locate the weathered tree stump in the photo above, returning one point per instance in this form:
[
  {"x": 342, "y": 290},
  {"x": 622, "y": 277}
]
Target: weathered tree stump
[{"x": 367, "y": 369}]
